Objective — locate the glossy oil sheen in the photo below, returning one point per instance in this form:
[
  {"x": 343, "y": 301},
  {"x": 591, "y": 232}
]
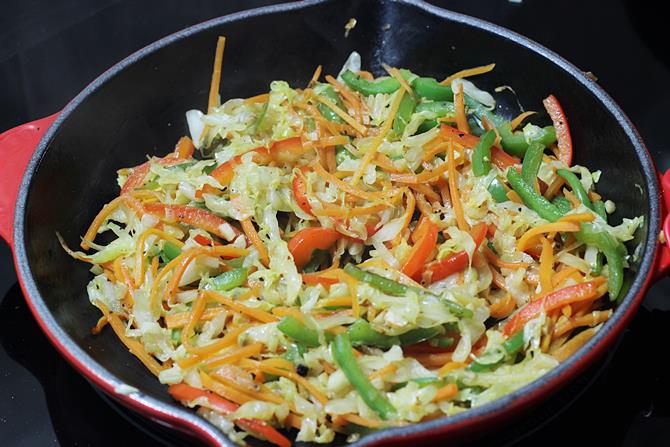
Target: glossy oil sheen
[{"x": 138, "y": 109}]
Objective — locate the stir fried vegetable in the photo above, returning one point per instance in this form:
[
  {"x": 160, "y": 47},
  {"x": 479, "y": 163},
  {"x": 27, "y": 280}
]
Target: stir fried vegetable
[{"x": 356, "y": 254}]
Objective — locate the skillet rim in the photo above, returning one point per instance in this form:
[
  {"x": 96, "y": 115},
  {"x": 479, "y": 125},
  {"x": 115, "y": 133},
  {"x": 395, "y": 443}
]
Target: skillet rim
[{"x": 187, "y": 420}]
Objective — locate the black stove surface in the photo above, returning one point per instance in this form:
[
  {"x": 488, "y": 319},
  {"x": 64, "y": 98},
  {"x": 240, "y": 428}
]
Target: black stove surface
[{"x": 50, "y": 50}]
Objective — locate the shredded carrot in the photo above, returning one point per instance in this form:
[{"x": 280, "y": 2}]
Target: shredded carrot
[
  {"x": 446, "y": 392},
  {"x": 315, "y": 76},
  {"x": 336, "y": 302},
  {"x": 348, "y": 96},
  {"x": 379, "y": 139},
  {"x": 519, "y": 119},
  {"x": 426, "y": 176},
  {"x": 562, "y": 275},
  {"x": 594, "y": 196},
  {"x": 385, "y": 371},
  {"x": 579, "y": 217},
  {"x": 348, "y": 188},
  {"x": 216, "y": 75},
  {"x": 571, "y": 346},
  {"x": 140, "y": 252},
  {"x": 427, "y": 191},
  {"x": 338, "y": 211},
  {"x": 529, "y": 236},
  {"x": 514, "y": 196},
  {"x": 468, "y": 72},
  {"x": 395, "y": 73},
  {"x": 495, "y": 260},
  {"x": 258, "y": 98},
  {"x": 100, "y": 325},
  {"x": 133, "y": 345},
  {"x": 252, "y": 235},
  {"x": 282, "y": 311},
  {"x": 224, "y": 391},
  {"x": 459, "y": 105},
  {"x": 313, "y": 390},
  {"x": 361, "y": 129},
  {"x": 450, "y": 366},
  {"x": 574, "y": 201},
  {"x": 211, "y": 349},
  {"x": 363, "y": 422},
  {"x": 409, "y": 210},
  {"x": 99, "y": 219},
  {"x": 546, "y": 266},
  {"x": 591, "y": 319},
  {"x": 258, "y": 314},
  {"x": 554, "y": 187},
  {"x": 453, "y": 191}
]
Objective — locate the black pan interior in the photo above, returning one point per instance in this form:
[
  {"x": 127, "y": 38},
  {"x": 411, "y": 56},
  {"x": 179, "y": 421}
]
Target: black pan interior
[{"x": 139, "y": 110}]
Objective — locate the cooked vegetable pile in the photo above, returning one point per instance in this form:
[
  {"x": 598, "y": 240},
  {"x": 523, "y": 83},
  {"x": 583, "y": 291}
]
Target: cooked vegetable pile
[{"x": 357, "y": 254}]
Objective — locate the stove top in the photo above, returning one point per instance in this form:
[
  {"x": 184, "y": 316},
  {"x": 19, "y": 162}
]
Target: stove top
[{"x": 50, "y": 50}]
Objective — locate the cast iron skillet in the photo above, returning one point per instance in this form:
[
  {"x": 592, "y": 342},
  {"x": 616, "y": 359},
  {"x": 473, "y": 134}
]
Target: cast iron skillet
[{"x": 137, "y": 107}]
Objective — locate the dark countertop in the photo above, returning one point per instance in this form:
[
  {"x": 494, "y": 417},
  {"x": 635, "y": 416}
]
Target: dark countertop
[{"x": 49, "y": 50}]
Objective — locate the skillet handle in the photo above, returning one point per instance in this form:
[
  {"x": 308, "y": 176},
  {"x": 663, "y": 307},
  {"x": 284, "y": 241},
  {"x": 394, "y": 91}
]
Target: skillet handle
[
  {"x": 662, "y": 267},
  {"x": 16, "y": 147}
]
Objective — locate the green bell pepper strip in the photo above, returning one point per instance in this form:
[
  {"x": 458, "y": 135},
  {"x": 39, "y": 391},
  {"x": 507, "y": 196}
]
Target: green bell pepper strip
[
  {"x": 228, "y": 280},
  {"x": 531, "y": 162},
  {"x": 373, "y": 398},
  {"x": 439, "y": 108},
  {"x": 420, "y": 334},
  {"x": 426, "y": 126},
  {"x": 614, "y": 252},
  {"x": 481, "y": 155},
  {"x": 367, "y": 88},
  {"x": 429, "y": 88},
  {"x": 562, "y": 204},
  {"x": 576, "y": 186},
  {"x": 342, "y": 154},
  {"x": 235, "y": 263},
  {"x": 361, "y": 333},
  {"x": 396, "y": 289},
  {"x": 599, "y": 208},
  {"x": 404, "y": 114},
  {"x": 329, "y": 93},
  {"x": 170, "y": 251},
  {"x": 515, "y": 142},
  {"x": 378, "y": 282},
  {"x": 293, "y": 328},
  {"x": 532, "y": 199},
  {"x": 498, "y": 191},
  {"x": 442, "y": 342},
  {"x": 512, "y": 346}
]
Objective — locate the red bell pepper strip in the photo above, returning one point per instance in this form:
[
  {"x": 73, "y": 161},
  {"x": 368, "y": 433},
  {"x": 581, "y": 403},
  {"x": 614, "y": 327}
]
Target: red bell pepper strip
[
  {"x": 438, "y": 270},
  {"x": 182, "y": 152},
  {"x": 196, "y": 217},
  {"x": 307, "y": 240},
  {"x": 499, "y": 157},
  {"x": 207, "y": 242},
  {"x": 422, "y": 248},
  {"x": 555, "y": 300},
  {"x": 288, "y": 150},
  {"x": 300, "y": 193},
  {"x": 225, "y": 172},
  {"x": 257, "y": 427},
  {"x": 316, "y": 278},
  {"x": 560, "y": 121}
]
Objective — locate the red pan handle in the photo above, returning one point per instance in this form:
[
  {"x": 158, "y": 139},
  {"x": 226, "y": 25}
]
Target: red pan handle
[
  {"x": 16, "y": 147},
  {"x": 662, "y": 267}
]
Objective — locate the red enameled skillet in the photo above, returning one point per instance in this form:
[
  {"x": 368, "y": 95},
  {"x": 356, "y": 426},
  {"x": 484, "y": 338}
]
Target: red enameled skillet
[{"x": 57, "y": 172}]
